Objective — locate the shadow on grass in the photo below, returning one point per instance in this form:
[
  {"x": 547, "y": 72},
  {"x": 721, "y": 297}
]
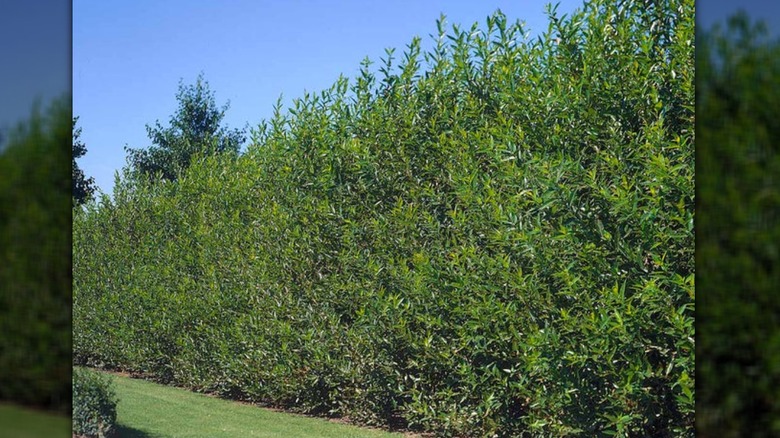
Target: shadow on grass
[{"x": 129, "y": 432}]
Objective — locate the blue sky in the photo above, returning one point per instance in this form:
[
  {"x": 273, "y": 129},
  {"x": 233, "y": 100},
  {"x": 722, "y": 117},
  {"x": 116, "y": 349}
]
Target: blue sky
[
  {"x": 128, "y": 57},
  {"x": 35, "y": 46}
]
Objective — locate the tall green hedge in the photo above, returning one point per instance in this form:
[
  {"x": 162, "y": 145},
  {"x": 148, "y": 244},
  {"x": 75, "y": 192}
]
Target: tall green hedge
[
  {"x": 491, "y": 237},
  {"x": 35, "y": 260},
  {"x": 737, "y": 100}
]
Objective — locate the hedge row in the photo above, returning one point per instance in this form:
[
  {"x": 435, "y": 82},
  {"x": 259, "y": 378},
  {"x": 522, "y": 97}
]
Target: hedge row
[{"x": 496, "y": 243}]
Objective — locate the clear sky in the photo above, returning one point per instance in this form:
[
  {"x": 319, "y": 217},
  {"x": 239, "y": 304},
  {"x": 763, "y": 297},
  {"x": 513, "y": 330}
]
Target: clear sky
[
  {"x": 128, "y": 56},
  {"x": 35, "y": 51}
]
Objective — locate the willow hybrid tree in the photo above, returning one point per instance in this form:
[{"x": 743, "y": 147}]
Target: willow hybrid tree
[
  {"x": 195, "y": 129},
  {"x": 493, "y": 237}
]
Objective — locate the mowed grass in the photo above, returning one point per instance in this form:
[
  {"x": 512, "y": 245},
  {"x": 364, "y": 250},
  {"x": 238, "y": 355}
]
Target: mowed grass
[
  {"x": 18, "y": 422},
  {"x": 147, "y": 410}
]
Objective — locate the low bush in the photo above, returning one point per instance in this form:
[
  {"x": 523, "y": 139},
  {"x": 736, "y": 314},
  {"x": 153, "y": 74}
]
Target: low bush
[{"x": 94, "y": 404}]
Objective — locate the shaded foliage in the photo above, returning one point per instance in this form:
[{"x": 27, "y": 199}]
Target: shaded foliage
[
  {"x": 490, "y": 238},
  {"x": 738, "y": 71},
  {"x": 35, "y": 260},
  {"x": 83, "y": 187}
]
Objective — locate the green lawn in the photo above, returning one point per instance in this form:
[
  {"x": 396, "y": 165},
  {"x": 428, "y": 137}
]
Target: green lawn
[
  {"x": 147, "y": 410},
  {"x": 20, "y": 422}
]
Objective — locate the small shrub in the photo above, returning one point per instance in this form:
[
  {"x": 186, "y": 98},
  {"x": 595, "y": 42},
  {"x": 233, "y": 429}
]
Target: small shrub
[{"x": 94, "y": 404}]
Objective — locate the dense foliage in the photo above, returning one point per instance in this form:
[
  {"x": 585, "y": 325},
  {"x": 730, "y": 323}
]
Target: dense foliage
[
  {"x": 739, "y": 197},
  {"x": 194, "y": 130},
  {"x": 83, "y": 187},
  {"x": 35, "y": 261},
  {"x": 94, "y": 404},
  {"x": 498, "y": 243}
]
